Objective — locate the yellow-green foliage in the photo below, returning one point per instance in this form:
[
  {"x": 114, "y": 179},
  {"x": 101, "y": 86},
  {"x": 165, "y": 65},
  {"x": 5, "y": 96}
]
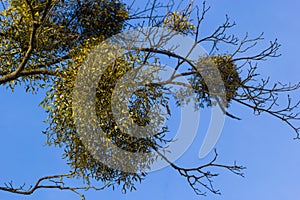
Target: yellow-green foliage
[{"x": 62, "y": 129}]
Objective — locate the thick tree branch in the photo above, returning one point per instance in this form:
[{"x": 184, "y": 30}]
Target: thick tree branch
[{"x": 20, "y": 68}]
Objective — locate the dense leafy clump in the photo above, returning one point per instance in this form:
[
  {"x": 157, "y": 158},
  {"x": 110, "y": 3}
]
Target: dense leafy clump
[
  {"x": 180, "y": 22},
  {"x": 216, "y": 81}
]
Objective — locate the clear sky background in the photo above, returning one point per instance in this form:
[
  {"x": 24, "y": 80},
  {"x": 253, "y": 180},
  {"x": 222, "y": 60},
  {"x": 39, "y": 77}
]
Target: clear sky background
[{"x": 263, "y": 144}]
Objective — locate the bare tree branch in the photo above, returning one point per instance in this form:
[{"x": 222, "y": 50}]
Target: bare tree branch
[
  {"x": 44, "y": 183},
  {"x": 201, "y": 175}
]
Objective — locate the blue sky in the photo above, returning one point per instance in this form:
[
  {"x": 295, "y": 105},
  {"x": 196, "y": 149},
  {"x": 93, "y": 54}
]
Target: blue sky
[{"x": 263, "y": 144}]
